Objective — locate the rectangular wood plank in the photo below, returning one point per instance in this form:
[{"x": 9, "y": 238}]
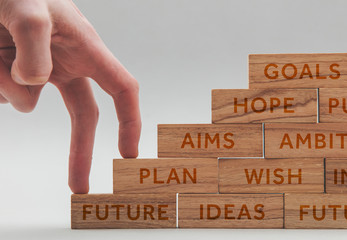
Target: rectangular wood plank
[
  {"x": 210, "y": 140},
  {"x": 332, "y": 105},
  {"x": 312, "y": 70},
  {"x": 283, "y": 140},
  {"x": 230, "y": 211},
  {"x": 271, "y": 175},
  {"x": 123, "y": 211},
  {"x": 336, "y": 175},
  {"x": 165, "y": 175},
  {"x": 315, "y": 211},
  {"x": 264, "y": 105}
]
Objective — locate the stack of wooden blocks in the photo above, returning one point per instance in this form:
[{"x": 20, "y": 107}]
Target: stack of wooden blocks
[{"x": 274, "y": 157}]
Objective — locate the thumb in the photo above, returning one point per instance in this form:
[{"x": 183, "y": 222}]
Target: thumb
[{"x": 31, "y": 31}]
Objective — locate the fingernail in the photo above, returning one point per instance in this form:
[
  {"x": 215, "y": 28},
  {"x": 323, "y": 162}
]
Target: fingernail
[{"x": 17, "y": 79}]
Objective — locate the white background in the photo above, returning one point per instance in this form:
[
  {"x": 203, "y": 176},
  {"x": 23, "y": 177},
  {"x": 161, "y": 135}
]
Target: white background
[{"x": 178, "y": 50}]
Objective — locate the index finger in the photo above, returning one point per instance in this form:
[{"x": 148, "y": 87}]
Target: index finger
[{"x": 113, "y": 78}]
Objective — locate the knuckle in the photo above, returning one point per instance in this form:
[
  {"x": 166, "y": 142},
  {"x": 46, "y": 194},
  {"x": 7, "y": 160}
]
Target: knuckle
[
  {"x": 131, "y": 86},
  {"x": 32, "y": 22},
  {"x": 91, "y": 115}
]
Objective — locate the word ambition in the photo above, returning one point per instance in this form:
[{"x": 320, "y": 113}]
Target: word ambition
[
  {"x": 264, "y": 105},
  {"x": 336, "y": 175},
  {"x": 305, "y": 140},
  {"x": 315, "y": 211},
  {"x": 165, "y": 175},
  {"x": 230, "y": 210},
  {"x": 297, "y": 71},
  {"x": 271, "y": 175},
  {"x": 332, "y": 105},
  {"x": 209, "y": 140},
  {"x": 315, "y": 140},
  {"x": 123, "y": 211}
]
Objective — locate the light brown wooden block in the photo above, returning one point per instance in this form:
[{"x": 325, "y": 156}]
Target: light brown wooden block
[
  {"x": 336, "y": 175},
  {"x": 170, "y": 175},
  {"x": 230, "y": 211},
  {"x": 271, "y": 175},
  {"x": 284, "y": 140},
  {"x": 315, "y": 210},
  {"x": 123, "y": 211},
  {"x": 210, "y": 140},
  {"x": 264, "y": 105},
  {"x": 332, "y": 105},
  {"x": 323, "y": 70}
]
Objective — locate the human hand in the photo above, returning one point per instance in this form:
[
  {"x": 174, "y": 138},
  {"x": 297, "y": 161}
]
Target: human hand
[{"x": 51, "y": 41}]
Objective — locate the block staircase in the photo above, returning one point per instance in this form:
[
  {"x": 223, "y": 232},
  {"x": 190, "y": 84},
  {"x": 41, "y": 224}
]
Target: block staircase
[{"x": 274, "y": 157}]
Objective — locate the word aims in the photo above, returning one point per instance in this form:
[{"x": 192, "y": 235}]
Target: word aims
[{"x": 210, "y": 140}]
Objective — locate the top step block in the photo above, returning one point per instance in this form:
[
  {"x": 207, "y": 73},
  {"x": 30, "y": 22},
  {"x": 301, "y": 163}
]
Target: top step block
[{"x": 319, "y": 70}]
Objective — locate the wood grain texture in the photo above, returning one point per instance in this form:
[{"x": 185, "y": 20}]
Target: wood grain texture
[
  {"x": 166, "y": 175},
  {"x": 271, "y": 175},
  {"x": 123, "y": 211},
  {"x": 210, "y": 140},
  {"x": 323, "y": 70},
  {"x": 264, "y": 105},
  {"x": 284, "y": 140},
  {"x": 315, "y": 210},
  {"x": 332, "y": 105},
  {"x": 230, "y": 211},
  {"x": 336, "y": 175}
]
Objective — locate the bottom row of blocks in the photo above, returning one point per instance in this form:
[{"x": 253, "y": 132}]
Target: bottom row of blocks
[{"x": 209, "y": 211}]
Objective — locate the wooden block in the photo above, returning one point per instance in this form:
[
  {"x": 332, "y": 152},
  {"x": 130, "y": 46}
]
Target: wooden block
[
  {"x": 323, "y": 70},
  {"x": 336, "y": 175},
  {"x": 191, "y": 175},
  {"x": 305, "y": 140},
  {"x": 271, "y": 175},
  {"x": 332, "y": 105},
  {"x": 315, "y": 210},
  {"x": 230, "y": 211},
  {"x": 123, "y": 211},
  {"x": 264, "y": 105},
  {"x": 210, "y": 140}
]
